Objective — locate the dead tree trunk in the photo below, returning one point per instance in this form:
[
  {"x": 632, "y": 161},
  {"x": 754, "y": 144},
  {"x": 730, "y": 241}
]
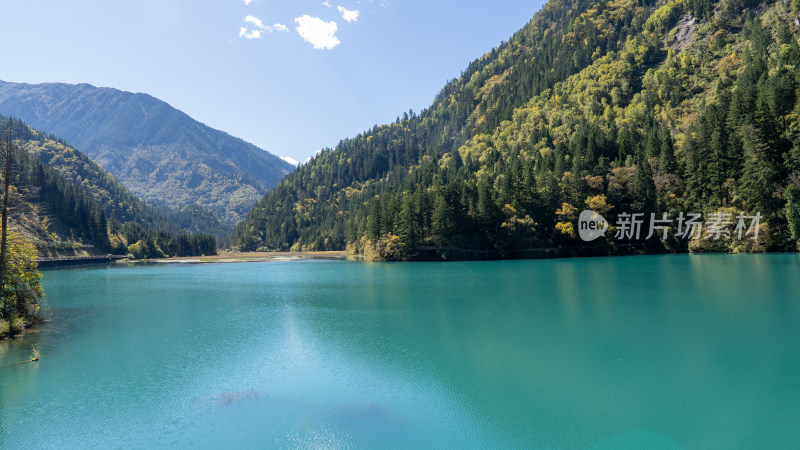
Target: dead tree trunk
[{"x": 4, "y": 225}]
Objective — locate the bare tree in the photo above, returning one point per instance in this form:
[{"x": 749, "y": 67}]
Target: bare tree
[{"x": 4, "y": 224}]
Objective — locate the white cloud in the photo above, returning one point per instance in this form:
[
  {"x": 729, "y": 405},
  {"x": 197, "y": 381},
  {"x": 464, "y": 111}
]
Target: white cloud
[
  {"x": 251, "y": 34},
  {"x": 327, "y": 4},
  {"x": 255, "y": 21},
  {"x": 247, "y": 2},
  {"x": 259, "y": 28},
  {"x": 349, "y": 15},
  {"x": 290, "y": 160},
  {"x": 316, "y": 153},
  {"x": 317, "y": 32}
]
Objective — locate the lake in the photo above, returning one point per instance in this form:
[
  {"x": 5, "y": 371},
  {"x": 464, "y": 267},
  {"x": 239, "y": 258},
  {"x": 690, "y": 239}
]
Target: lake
[{"x": 680, "y": 351}]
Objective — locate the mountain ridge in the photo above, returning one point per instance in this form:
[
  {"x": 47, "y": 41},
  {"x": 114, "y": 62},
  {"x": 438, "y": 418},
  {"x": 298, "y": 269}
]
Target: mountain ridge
[
  {"x": 118, "y": 202},
  {"x": 159, "y": 152}
]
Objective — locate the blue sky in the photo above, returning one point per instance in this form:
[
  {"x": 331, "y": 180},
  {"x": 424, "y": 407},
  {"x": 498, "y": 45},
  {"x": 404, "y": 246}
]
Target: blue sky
[{"x": 291, "y": 77}]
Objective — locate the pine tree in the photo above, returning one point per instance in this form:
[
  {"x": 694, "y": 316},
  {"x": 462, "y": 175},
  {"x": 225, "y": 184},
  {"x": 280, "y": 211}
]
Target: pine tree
[
  {"x": 793, "y": 208},
  {"x": 101, "y": 234},
  {"x": 442, "y": 223},
  {"x": 666, "y": 157},
  {"x": 7, "y": 154},
  {"x": 759, "y": 175},
  {"x": 653, "y": 146},
  {"x": 644, "y": 188},
  {"x": 374, "y": 220},
  {"x": 408, "y": 228},
  {"x": 487, "y": 209}
]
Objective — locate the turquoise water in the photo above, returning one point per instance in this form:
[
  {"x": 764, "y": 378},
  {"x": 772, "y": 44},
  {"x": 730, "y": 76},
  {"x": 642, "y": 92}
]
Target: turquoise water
[{"x": 627, "y": 352}]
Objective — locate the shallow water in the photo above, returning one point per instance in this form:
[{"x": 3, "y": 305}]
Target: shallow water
[{"x": 640, "y": 352}]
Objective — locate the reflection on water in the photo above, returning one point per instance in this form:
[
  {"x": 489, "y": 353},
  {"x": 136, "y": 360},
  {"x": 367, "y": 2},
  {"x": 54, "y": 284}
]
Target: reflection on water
[{"x": 656, "y": 352}]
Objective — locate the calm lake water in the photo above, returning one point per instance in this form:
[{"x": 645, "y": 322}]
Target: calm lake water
[{"x": 628, "y": 352}]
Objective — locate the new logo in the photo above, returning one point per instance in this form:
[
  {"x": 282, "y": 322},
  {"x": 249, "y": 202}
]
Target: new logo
[{"x": 591, "y": 225}]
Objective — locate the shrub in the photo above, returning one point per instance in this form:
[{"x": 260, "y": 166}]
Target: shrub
[{"x": 20, "y": 298}]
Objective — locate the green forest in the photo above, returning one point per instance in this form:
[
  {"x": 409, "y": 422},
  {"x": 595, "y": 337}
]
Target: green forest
[
  {"x": 619, "y": 106},
  {"x": 62, "y": 201},
  {"x": 118, "y": 202}
]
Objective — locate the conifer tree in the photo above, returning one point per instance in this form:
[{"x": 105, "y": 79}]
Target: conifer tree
[{"x": 644, "y": 188}]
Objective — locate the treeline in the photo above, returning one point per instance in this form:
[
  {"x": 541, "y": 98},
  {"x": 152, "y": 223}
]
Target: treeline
[
  {"x": 194, "y": 219},
  {"x": 586, "y": 107},
  {"x": 148, "y": 244}
]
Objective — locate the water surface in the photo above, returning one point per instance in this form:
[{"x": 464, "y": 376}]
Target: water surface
[{"x": 638, "y": 352}]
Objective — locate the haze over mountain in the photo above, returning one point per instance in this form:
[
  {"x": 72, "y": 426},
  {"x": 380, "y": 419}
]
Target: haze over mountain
[
  {"x": 155, "y": 150},
  {"x": 617, "y": 106}
]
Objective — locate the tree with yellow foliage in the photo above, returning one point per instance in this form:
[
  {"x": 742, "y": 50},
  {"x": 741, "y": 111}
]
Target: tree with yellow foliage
[
  {"x": 566, "y": 218},
  {"x": 599, "y": 204},
  {"x": 21, "y": 292},
  {"x": 19, "y": 280}
]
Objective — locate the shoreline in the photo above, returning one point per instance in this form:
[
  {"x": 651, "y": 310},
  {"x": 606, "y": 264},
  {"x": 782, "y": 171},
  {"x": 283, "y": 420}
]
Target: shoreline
[
  {"x": 225, "y": 257},
  {"x": 242, "y": 257},
  {"x": 250, "y": 257}
]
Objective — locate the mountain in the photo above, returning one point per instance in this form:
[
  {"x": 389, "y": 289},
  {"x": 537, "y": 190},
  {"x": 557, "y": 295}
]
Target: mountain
[
  {"x": 67, "y": 205},
  {"x": 616, "y": 106},
  {"x": 158, "y": 152},
  {"x": 117, "y": 201}
]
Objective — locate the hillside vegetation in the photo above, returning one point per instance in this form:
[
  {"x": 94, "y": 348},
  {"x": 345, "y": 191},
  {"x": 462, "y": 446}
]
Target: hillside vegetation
[
  {"x": 66, "y": 205},
  {"x": 118, "y": 202},
  {"x": 616, "y": 106}
]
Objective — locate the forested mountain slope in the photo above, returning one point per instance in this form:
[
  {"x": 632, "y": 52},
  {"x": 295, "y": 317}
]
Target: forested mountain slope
[
  {"x": 118, "y": 202},
  {"x": 66, "y": 204},
  {"x": 617, "y": 106},
  {"x": 158, "y": 152}
]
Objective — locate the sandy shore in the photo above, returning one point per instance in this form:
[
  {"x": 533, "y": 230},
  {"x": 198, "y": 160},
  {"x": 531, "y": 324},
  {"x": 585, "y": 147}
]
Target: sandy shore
[{"x": 239, "y": 257}]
